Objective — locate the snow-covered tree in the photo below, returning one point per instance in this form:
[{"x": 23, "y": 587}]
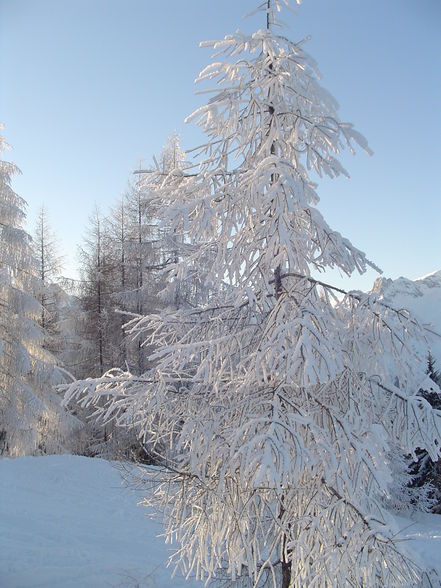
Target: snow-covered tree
[
  {"x": 150, "y": 247},
  {"x": 140, "y": 256},
  {"x": 121, "y": 259},
  {"x": 432, "y": 371},
  {"x": 95, "y": 291},
  {"x": 31, "y": 417},
  {"x": 272, "y": 406},
  {"x": 49, "y": 264},
  {"x": 173, "y": 157},
  {"x": 133, "y": 254},
  {"x": 424, "y": 470},
  {"x": 118, "y": 278}
]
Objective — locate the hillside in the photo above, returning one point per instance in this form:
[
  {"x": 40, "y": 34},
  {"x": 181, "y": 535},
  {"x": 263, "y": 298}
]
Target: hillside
[{"x": 422, "y": 297}]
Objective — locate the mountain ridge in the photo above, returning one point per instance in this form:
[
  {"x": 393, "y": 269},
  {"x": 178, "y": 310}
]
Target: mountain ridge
[{"x": 422, "y": 297}]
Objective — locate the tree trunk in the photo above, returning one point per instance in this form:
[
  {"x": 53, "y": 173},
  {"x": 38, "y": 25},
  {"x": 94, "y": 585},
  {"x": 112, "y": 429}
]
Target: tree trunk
[
  {"x": 286, "y": 574},
  {"x": 140, "y": 280},
  {"x": 286, "y": 565},
  {"x": 99, "y": 304}
]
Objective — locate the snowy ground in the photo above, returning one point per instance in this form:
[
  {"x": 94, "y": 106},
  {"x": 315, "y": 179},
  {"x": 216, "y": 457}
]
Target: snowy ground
[
  {"x": 423, "y": 541},
  {"x": 67, "y": 522}
]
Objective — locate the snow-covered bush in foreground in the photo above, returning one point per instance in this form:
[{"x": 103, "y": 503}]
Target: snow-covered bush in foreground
[{"x": 273, "y": 407}]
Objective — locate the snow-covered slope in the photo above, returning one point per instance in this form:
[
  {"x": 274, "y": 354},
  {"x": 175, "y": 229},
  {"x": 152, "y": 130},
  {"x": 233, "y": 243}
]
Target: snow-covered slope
[
  {"x": 422, "y": 297},
  {"x": 68, "y": 522}
]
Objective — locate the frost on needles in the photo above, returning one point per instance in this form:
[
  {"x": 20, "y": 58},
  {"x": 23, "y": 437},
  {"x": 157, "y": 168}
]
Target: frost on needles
[{"x": 271, "y": 404}]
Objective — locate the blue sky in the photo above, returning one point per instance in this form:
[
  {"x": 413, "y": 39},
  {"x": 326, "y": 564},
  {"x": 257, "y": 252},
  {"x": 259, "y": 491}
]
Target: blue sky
[{"x": 88, "y": 87}]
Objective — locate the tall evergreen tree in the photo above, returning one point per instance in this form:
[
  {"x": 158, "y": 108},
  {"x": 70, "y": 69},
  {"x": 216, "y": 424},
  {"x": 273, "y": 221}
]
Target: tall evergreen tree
[
  {"x": 433, "y": 373},
  {"x": 272, "y": 404}
]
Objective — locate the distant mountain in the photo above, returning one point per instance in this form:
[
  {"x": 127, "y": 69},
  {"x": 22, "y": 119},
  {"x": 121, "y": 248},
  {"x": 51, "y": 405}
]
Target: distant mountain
[{"x": 422, "y": 297}]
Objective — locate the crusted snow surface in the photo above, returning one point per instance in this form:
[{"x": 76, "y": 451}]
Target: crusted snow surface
[
  {"x": 69, "y": 521},
  {"x": 422, "y": 537}
]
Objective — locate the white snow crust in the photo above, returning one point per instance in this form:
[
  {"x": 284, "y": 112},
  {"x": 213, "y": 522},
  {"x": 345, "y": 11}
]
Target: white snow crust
[{"x": 69, "y": 522}]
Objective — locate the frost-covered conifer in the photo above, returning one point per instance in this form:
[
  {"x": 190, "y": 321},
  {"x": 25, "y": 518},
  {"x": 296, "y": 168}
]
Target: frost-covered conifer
[
  {"x": 138, "y": 296},
  {"x": 272, "y": 406},
  {"x": 425, "y": 473},
  {"x": 31, "y": 417},
  {"x": 169, "y": 242},
  {"x": 48, "y": 267}
]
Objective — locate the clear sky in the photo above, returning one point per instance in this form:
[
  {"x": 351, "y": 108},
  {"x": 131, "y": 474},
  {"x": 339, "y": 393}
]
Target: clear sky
[{"x": 88, "y": 87}]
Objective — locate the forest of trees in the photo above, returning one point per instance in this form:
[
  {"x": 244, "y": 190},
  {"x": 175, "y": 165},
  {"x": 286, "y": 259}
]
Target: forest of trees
[
  {"x": 74, "y": 328},
  {"x": 285, "y": 418}
]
